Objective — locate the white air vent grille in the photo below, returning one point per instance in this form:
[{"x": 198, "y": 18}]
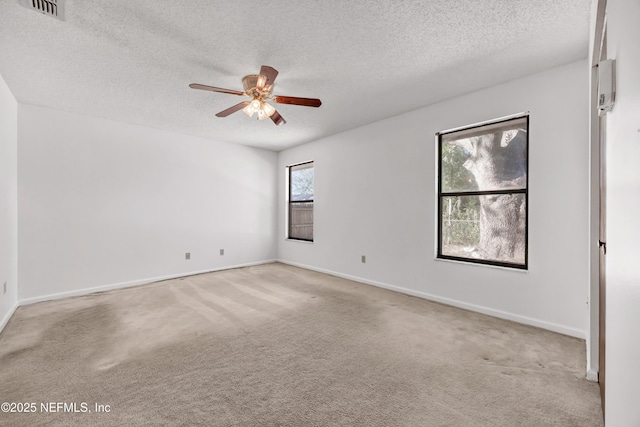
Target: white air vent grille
[{"x": 53, "y": 8}]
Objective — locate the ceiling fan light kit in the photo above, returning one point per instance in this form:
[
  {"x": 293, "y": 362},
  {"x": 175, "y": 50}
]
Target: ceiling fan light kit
[
  {"x": 263, "y": 109},
  {"x": 260, "y": 88}
]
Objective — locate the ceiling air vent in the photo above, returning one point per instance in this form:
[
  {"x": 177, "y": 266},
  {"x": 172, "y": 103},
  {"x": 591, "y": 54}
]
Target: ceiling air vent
[{"x": 53, "y": 8}]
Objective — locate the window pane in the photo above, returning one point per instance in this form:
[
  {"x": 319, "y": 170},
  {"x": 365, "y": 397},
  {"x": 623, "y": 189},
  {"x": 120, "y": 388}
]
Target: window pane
[
  {"x": 302, "y": 182},
  {"x": 488, "y": 227},
  {"x": 460, "y": 224},
  {"x": 301, "y": 220},
  {"x": 455, "y": 177},
  {"x": 485, "y": 159}
]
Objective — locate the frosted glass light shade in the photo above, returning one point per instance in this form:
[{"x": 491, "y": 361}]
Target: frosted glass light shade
[{"x": 268, "y": 109}]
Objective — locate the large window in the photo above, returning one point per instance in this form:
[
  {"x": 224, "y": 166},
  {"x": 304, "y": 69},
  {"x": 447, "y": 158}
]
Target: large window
[
  {"x": 482, "y": 193},
  {"x": 301, "y": 201}
]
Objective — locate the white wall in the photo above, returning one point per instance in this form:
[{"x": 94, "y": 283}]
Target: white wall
[
  {"x": 8, "y": 203},
  {"x": 375, "y": 196},
  {"x": 623, "y": 215},
  {"x": 104, "y": 204}
]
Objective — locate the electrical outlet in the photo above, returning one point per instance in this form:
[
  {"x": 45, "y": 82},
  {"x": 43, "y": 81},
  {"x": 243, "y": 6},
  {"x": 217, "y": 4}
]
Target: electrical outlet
[
  {"x": 364, "y": 259},
  {"x": 221, "y": 251},
  {"x": 4, "y": 291},
  {"x": 187, "y": 255}
]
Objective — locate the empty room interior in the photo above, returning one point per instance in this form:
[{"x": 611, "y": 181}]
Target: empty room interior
[{"x": 397, "y": 213}]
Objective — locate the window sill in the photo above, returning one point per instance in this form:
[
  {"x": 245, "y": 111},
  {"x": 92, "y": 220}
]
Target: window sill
[
  {"x": 477, "y": 264},
  {"x": 299, "y": 241}
]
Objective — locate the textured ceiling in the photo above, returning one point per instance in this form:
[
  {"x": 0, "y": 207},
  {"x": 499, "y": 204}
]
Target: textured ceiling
[{"x": 132, "y": 61}]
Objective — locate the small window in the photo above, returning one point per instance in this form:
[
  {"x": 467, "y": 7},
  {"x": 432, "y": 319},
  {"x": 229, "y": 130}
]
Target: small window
[
  {"x": 301, "y": 201},
  {"x": 483, "y": 193}
]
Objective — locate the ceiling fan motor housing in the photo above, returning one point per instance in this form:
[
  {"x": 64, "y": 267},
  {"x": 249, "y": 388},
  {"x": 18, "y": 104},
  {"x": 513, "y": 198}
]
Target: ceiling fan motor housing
[{"x": 255, "y": 85}]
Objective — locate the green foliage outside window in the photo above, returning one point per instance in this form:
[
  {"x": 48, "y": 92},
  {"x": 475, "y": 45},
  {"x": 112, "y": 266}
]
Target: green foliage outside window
[{"x": 460, "y": 215}]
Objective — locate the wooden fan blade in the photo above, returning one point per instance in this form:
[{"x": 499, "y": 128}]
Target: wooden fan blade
[
  {"x": 278, "y": 119},
  {"x": 270, "y": 73},
  {"x": 215, "y": 89},
  {"x": 233, "y": 109},
  {"x": 293, "y": 100}
]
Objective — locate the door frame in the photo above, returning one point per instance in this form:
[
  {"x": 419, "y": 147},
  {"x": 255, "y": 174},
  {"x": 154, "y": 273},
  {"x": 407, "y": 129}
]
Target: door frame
[{"x": 596, "y": 337}]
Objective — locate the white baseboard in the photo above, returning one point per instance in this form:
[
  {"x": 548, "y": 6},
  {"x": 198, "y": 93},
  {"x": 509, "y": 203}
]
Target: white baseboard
[
  {"x": 87, "y": 291},
  {"x": 561, "y": 329},
  {"x": 7, "y": 317},
  {"x": 592, "y": 375}
]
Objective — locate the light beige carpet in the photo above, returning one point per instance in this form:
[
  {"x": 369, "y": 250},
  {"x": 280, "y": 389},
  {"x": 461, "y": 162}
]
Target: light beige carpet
[{"x": 275, "y": 345}]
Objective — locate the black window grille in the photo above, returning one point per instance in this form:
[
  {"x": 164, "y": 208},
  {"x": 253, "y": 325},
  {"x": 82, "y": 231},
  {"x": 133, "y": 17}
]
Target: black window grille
[
  {"x": 483, "y": 193},
  {"x": 301, "y": 178}
]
